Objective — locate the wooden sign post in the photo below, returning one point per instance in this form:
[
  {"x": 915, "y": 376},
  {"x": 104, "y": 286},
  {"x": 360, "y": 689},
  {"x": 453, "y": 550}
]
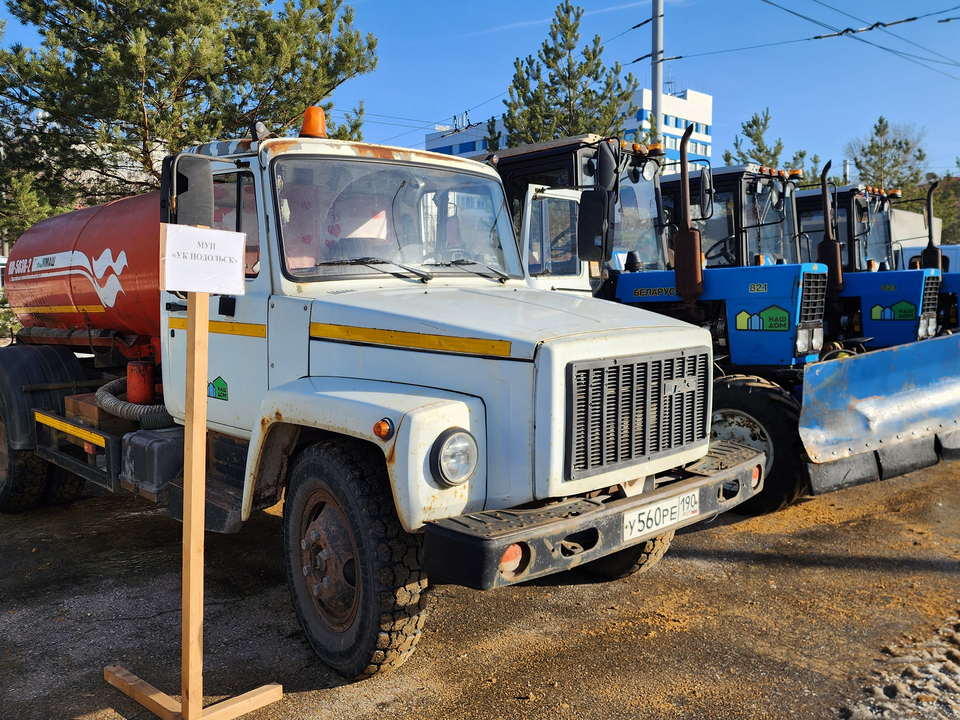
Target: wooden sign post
[{"x": 197, "y": 261}]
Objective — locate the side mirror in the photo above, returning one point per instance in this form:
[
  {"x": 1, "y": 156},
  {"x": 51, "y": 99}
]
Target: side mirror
[
  {"x": 863, "y": 211},
  {"x": 186, "y": 191},
  {"x": 706, "y": 193},
  {"x": 608, "y": 165},
  {"x": 593, "y": 226},
  {"x": 778, "y": 196}
]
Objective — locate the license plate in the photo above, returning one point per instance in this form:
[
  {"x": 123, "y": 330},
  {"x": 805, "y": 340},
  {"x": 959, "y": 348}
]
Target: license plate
[{"x": 661, "y": 515}]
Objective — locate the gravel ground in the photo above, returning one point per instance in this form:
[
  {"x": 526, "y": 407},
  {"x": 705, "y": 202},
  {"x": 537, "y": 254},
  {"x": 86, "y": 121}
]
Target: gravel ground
[{"x": 841, "y": 606}]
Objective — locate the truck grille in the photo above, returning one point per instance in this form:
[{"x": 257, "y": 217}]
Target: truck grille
[
  {"x": 622, "y": 411},
  {"x": 813, "y": 297},
  {"x": 931, "y": 292}
]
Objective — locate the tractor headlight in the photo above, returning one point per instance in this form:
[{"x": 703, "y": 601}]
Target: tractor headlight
[
  {"x": 803, "y": 341},
  {"x": 454, "y": 457},
  {"x": 817, "y": 343},
  {"x": 922, "y": 330},
  {"x": 931, "y": 326}
]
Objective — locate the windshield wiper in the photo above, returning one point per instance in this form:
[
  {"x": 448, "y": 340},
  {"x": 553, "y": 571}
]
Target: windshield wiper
[
  {"x": 372, "y": 262},
  {"x": 463, "y": 262}
]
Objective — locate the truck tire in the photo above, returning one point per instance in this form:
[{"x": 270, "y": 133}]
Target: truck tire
[
  {"x": 629, "y": 561},
  {"x": 23, "y": 475},
  {"x": 353, "y": 571},
  {"x": 756, "y": 412}
]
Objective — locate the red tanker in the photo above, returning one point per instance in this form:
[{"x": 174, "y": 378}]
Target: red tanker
[{"x": 91, "y": 278}]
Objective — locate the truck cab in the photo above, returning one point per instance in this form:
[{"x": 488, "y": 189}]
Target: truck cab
[{"x": 388, "y": 372}]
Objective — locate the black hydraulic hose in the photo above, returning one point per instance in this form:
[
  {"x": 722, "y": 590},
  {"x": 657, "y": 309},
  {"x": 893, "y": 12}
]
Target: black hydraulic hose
[{"x": 107, "y": 399}]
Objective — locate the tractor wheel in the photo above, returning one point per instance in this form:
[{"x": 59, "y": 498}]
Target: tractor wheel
[
  {"x": 353, "y": 571},
  {"x": 629, "y": 561},
  {"x": 757, "y": 413}
]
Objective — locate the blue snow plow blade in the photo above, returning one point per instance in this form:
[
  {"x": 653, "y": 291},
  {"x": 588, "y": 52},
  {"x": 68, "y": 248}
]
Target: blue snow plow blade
[{"x": 897, "y": 409}]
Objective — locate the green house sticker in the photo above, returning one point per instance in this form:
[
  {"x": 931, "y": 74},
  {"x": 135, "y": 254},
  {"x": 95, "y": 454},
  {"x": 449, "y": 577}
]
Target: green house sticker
[
  {"x": 217, "y": 389},
  {"x": 772, "y": 319},
  {"x": 902, "y": 310}
]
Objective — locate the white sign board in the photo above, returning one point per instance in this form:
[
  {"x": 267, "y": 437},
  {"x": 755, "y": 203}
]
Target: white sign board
[{"x": 196, "y": 259}]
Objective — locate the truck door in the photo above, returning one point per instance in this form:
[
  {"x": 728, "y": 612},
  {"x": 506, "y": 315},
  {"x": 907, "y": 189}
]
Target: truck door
[
  {"x": 237, "y": 367},
  {"x": 549, "y": 232}
]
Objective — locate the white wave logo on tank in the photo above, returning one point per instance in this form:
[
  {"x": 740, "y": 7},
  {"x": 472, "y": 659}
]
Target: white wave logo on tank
[{"x": 77, "y": 263}]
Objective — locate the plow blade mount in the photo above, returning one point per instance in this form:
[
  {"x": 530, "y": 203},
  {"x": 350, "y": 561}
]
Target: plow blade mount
[{"x": 881, "y": 414}]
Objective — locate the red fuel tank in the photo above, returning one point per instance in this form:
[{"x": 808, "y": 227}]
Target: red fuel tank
[{"x": 93, "y": 269}]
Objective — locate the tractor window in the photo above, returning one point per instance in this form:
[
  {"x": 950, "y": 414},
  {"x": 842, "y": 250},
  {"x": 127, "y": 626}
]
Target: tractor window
[
  {"x": 876, "y": 245},
  {"x": 233, "y": 191},
  {"x": 770, "y": 222},
  {"x": 556, "y": 178},
  {"x": 636, "y": 227},
  {"x": 811, "y": 223},
  {"x": 718, "y": 234}
]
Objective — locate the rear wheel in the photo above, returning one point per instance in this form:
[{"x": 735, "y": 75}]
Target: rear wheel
[
  {"x": 354, "y": 573},
  {"x": 629, "y": 561},
  {"x": 23, "y": 475},
  {"x": 757, "y": 413}
]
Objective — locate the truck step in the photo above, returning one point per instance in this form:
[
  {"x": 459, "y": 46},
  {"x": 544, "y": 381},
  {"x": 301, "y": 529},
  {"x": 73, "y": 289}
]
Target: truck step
[{"x": 222, "y": 512}]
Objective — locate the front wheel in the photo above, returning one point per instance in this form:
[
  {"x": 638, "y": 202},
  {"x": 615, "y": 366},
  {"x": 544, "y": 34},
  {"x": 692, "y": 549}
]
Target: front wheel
[
  {"x": 353, "y": 572},
  {"x": 629, "y": 561},
  {"x": 755, "y": 412}
]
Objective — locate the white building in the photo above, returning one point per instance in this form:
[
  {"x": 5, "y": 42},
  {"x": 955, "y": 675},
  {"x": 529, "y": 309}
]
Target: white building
[{"x": 681, "y": 109}]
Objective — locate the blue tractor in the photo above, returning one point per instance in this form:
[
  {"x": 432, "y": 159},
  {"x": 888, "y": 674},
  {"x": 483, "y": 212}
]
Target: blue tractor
[
  {"x": 730, "y": 261},
  {"x": 876, "y": 304}
]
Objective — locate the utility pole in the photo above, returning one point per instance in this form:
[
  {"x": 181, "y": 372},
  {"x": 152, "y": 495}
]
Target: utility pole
[{"x": 656, "y": 66}]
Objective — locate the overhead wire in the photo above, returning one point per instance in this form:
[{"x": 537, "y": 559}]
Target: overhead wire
[
  {"x": 898, "y": 37},
  {"x": 898, "y": 53}
]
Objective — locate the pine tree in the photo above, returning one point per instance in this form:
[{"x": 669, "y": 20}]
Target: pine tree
[
  {"x": 493, "y": 135},
  {"x": 116, "y": 86},
  {"x": 760, "y": 152},
  {"x": 891, "y": 156},
  {"x": 576, "y": 97}
]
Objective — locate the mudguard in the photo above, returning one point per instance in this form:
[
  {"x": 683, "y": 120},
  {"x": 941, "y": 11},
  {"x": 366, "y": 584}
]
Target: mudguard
[
  {"x": 881, "y": 399},
  {"x": 351, "y": 407}
]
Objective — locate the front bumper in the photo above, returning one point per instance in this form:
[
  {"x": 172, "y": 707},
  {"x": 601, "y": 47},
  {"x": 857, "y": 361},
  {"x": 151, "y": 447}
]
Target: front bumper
[{"x": 467, "y": 550}]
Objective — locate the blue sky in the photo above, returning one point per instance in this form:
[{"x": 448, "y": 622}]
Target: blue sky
[{"x": 439, "y": 59}]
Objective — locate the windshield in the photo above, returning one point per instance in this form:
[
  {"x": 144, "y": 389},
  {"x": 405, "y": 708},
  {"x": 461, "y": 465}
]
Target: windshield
[
  {"x": 636, "y": 227},
  {"x": 875, "y": 245},
  {"x": 770, "y": 221},
  {"x": 361, "y": 218}
]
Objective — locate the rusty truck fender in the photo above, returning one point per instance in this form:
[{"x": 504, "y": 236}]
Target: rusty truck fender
[{"x": 351, "y": 407}]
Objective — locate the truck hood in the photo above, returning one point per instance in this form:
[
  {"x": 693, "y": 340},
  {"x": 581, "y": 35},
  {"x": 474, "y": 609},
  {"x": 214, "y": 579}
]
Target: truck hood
[{"x": 501, "y": 321}]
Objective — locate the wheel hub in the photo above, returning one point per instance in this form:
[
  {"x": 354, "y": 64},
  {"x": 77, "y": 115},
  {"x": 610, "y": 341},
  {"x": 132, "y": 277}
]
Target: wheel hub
[
  {"x": 740, "y": 427},
  {"x": 328, "y": 560}
]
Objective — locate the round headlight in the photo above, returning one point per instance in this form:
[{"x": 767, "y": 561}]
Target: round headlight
[{"x": 454, "y": 457}]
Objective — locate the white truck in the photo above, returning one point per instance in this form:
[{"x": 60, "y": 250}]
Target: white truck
[{"x": 387, "y": 372}]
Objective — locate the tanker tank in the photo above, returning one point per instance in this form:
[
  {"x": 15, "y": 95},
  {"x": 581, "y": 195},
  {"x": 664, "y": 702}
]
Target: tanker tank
[{"x": 91, "y": 278}]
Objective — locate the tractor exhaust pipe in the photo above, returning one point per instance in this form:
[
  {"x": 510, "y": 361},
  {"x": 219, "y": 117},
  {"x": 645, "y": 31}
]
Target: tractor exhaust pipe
[
  {"x": 686, "y": 241},
  {"x": 828, "y": 250},
  {"x": 931, "y": 256}
]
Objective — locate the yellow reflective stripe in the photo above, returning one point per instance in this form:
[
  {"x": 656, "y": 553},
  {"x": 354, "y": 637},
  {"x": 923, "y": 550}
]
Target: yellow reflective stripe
[
  {"x": 225, "y": 328},
  {"x": 397, "y": 338},
  {"x": 59, "y": 309},
  {"x": 69, "y": 428}
]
